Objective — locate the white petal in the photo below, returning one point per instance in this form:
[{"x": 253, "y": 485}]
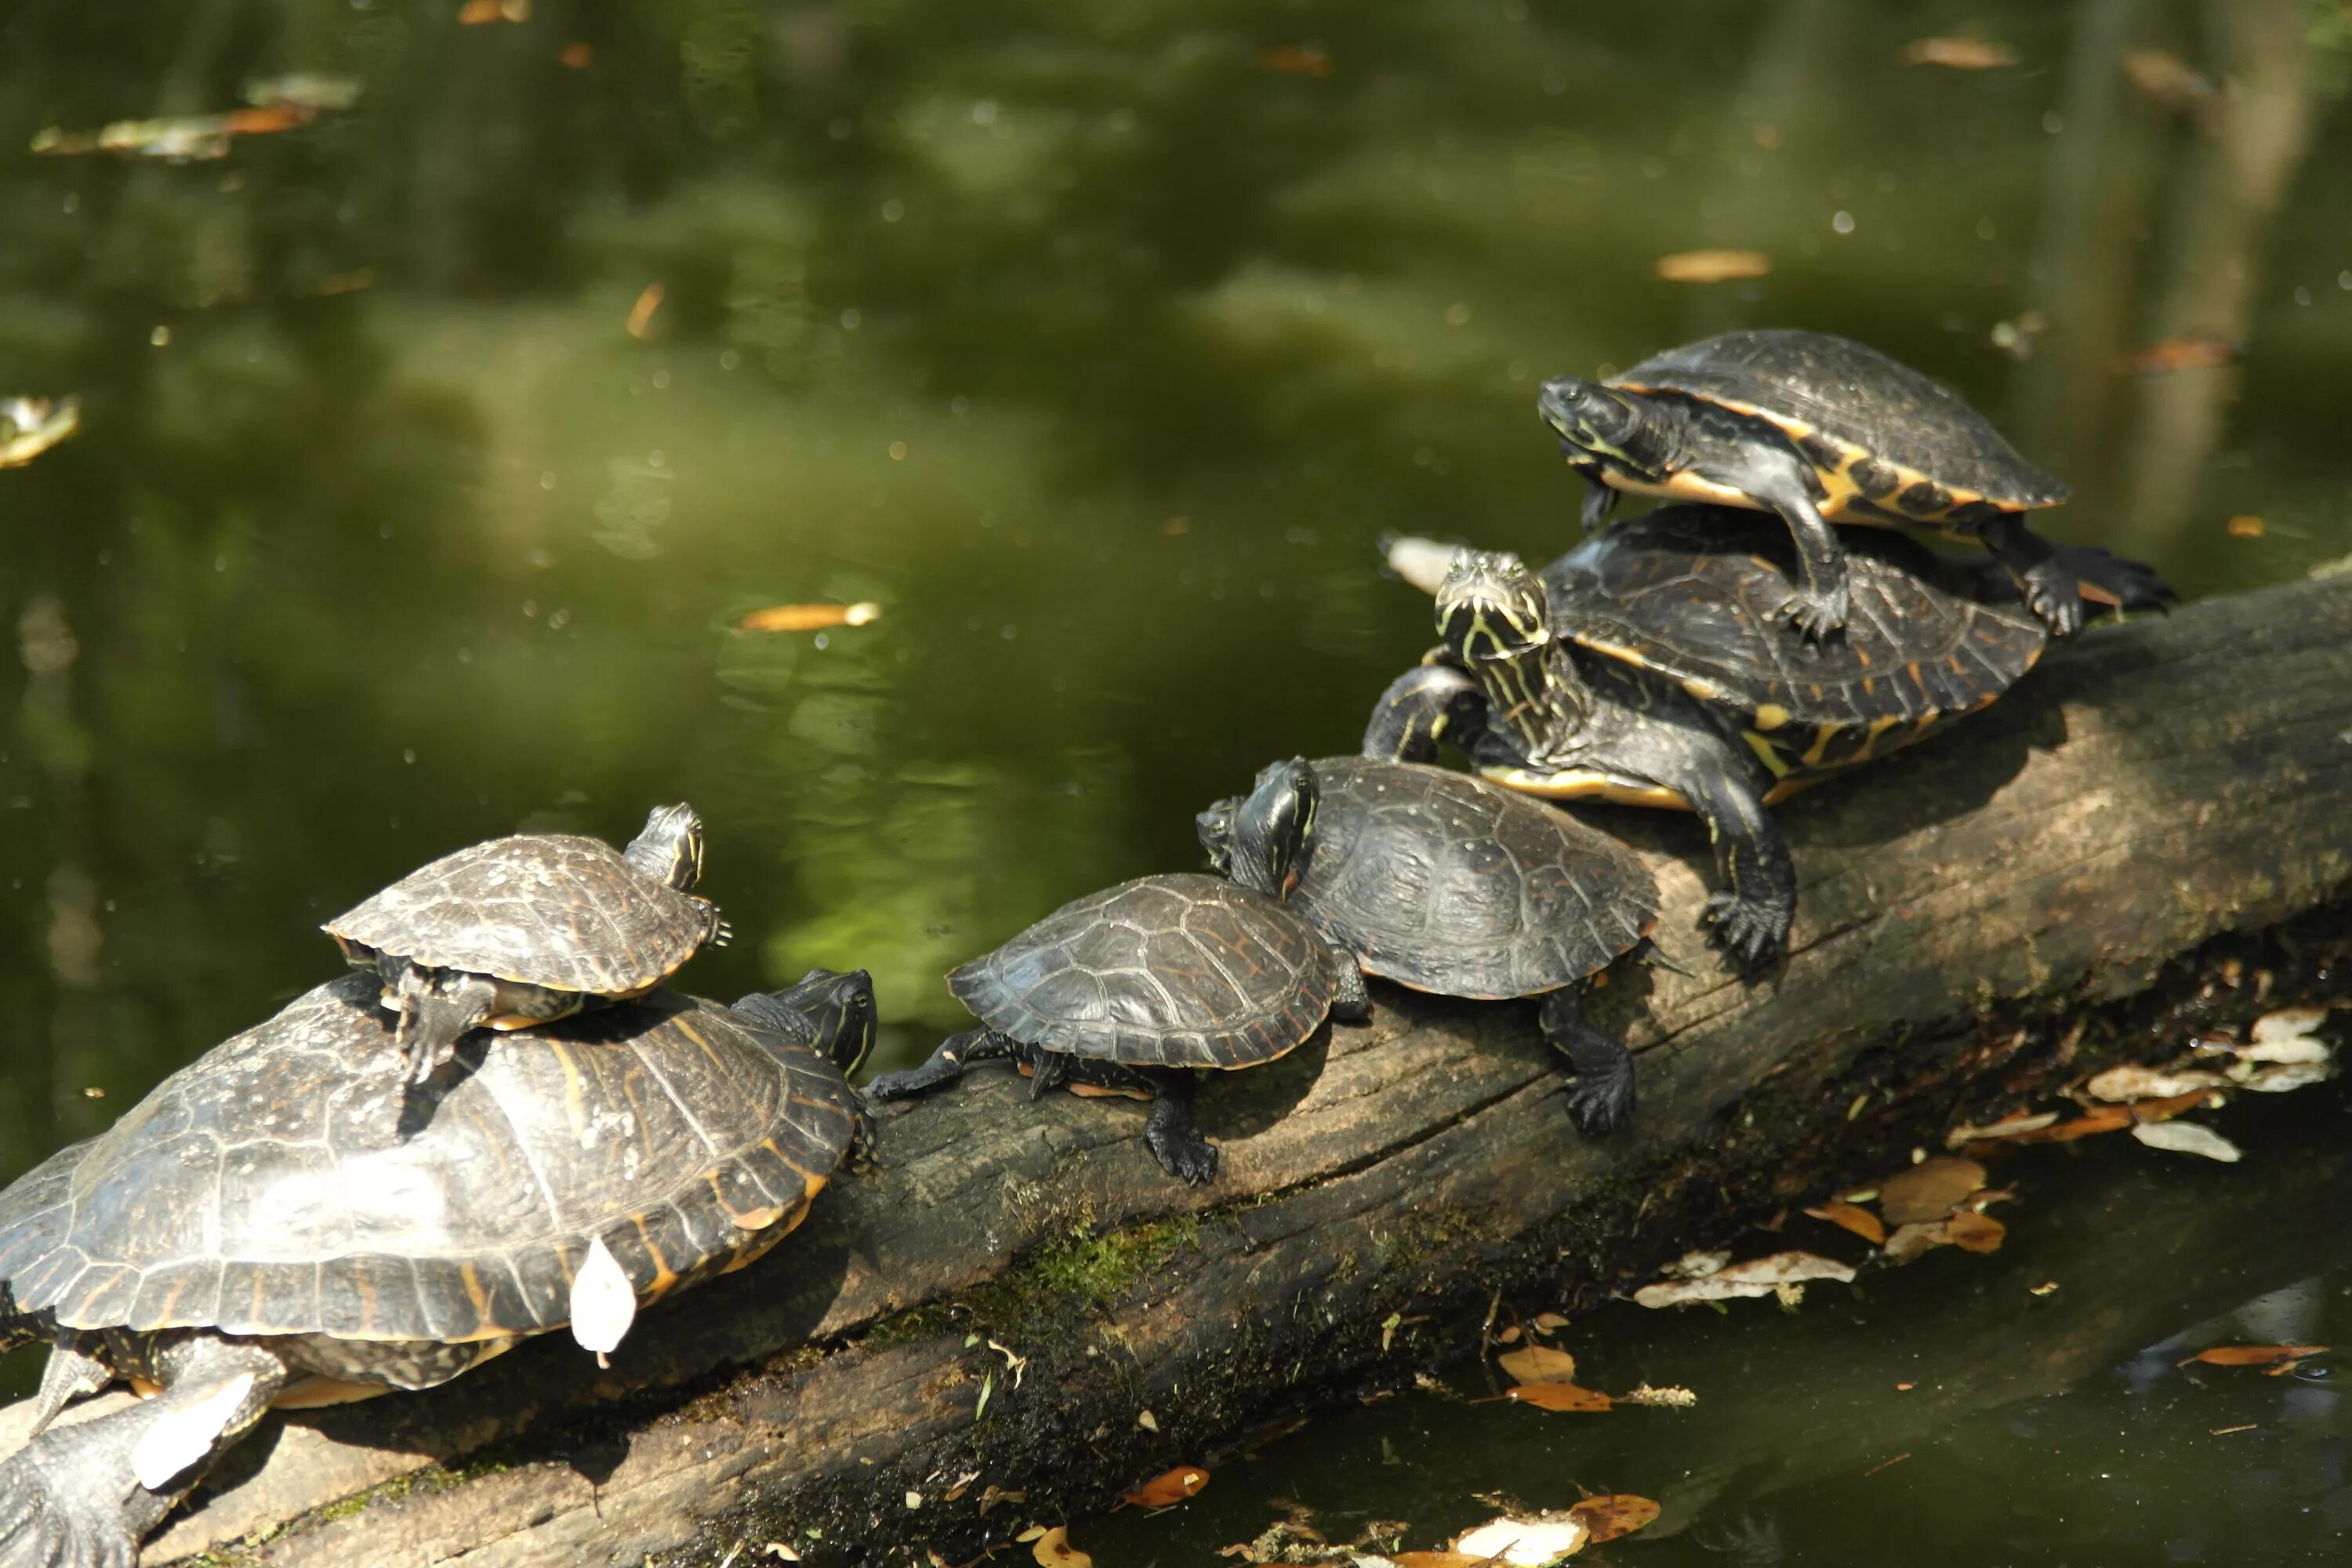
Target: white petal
[
  {"x": 1526, "y": 1543},
  {"x": 2185, "y": 1138},
  {"x": 185, "y": 1437},
  {"x": 604, "y": 1302},
  {"x": 1424, "y": 562}
]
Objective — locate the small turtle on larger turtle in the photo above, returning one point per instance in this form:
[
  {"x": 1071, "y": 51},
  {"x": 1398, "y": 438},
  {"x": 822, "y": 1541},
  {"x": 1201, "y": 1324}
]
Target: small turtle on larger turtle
[
  {"x": 1129, "y": 990},
  {"x": 256, "y": 1232},
  {"x": 1454, "y": 886},
  {"x": 517, "y": 931},
  {"x": 1817, "y": 429},
  {"x": 1645, "y": 667}
]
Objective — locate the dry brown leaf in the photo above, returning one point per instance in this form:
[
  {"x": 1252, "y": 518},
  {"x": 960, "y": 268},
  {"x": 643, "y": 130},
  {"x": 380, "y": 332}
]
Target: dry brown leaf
[
  {"x": 1437, "y": 1560},
  {"x": 2099, "y": 1119},
  {"x": 475, "y": 13},
  {"x": 2188, "y": 1138},
  {"x": 2166, "y": 1108},
  {"x": 1168, "y": 1488},
  {"x": 2015, "y": 1125},
  {"x": 1053, "y": 1550},
  {"x": 1538, "y": 1364},
  {"x": 1548, "y": 1322},
  {"x": 1754, "y": 1276},
  {"x": 2262, "y": 1080},
  {"x": 1610, "y": 1517},
  {"x": 1557, "y": 1396},
  {"x": 2252, "y": 1355},
  {"x": 1973, "y": 1232},
  {"x": 2197, "y": 351},
  {"x": 1713, "y": 265},
  {"x": 1295, "y": 59},
  {"x": 1929, "y": 1190},
  {"x": 1910, "y": 1240},
  {"x": 1853, "y": 1218},
  {"x": 2285, "y": 1024},
  {"x": 807, "y": 617},
  {"x": 2131, "y": 1082},
  {"x": 1958, "y": 54},
  {"x": 576, "y": 56}
]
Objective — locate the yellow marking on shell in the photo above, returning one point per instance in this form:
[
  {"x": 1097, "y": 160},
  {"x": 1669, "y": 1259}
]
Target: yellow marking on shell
[
  {"x": 664, "y": 1274},
  {"x": 472, "y": 1281},
  {"x": 313, "y": 1392},
  {"x": 1590, "y": 786},
  {"x": 1771, "y": 715},
  {"x": 1862, "y": 658},
  {"x": 758, "y": 1219},
  {"x": 367, "y": 1307},
  {"x": 575, "y": 1106},
  {"x": 1879, "y": 727},
  {"x": 1704, "y": 690},
  {"x": 758, "y": 1243}
]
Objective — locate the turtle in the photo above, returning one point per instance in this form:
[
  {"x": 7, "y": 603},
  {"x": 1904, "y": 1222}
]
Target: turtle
[
  {"x": 1645, "y": 668},
  {"x": 254, "y": 1232},
  {"x": 517, "y": 931},
  {"x": 1129, "y": 990},
  {"x": 1817, "y": 429},
  {"x": 1452, "y": 885}
]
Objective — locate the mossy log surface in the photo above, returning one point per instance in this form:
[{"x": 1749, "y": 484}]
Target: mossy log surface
[{"x": 998, "y": 1305}]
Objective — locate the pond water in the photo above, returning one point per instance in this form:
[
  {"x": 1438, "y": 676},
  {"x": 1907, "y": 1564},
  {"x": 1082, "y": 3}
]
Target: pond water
[{"x": 1097, "y": 346}]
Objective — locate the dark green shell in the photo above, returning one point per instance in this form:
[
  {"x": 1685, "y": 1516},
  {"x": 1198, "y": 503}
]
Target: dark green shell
[
  {"x": 1449, "y": 884},
  {"x": 1692, "y": 592},
  {"x": 1181, "y": 970},
  {"x": 1861, "y": 406},
  {"x": 274, "y": 1186}
]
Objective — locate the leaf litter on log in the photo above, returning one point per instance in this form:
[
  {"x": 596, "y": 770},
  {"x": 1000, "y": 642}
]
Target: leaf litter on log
[
  {"x": 1755, "y": 1276},
  {"x": 1853, "y": 1218},
  {"x": 2188, "y": 1138},
  {"x": 1538, "y": 1363},
  {"x": 1929, "y": 1190}
]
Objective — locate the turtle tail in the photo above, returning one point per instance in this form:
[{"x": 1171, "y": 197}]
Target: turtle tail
[{"x": 435, "y": 1010}]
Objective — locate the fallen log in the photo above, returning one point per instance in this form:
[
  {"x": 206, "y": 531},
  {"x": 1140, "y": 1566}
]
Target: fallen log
[{"x": 1018, "y": 1302}]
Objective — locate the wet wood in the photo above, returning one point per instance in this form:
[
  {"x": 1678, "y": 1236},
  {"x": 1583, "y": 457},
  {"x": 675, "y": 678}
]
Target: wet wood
[{"x": 2077, "y": 856}]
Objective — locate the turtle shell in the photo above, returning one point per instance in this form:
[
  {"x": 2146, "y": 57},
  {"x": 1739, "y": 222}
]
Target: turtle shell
[
  {"x": 1179, "y": 970},
  {"x": 1449, "y": 884},
  {"x": 1692, "y": 591},
  {"x": 1886, "y": 441},
  {"x": 274, "y": 1186},
  {"x": 545, "y": 909}
]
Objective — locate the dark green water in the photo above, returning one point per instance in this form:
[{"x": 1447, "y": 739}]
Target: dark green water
[{"x": 1093, "y": 347}]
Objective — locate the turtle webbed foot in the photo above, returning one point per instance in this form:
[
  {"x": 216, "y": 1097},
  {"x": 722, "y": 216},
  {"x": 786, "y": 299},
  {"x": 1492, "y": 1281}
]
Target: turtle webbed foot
[
  {"x": 2052, "y": 593},
  {"x": 1817, "y": 614},
  {"x": 51, "y": 1516},
  {"x": 1753, "y": 934},
  {"x": 1187, "y": 1156}
]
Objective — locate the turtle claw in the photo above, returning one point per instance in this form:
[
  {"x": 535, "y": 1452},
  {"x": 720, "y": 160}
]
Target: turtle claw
[
  {"x": 2050, "y": 593},
  {"x": 1817, "y": 614},
  {"x": 1752, "y": 934},
  {"x": 1187, "y": 1157},
  {"x": 1600, "y": 1105}
]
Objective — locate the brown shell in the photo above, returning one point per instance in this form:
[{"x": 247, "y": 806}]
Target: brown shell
[
  {"x": 274, "y": 1186},
  {"x": 545, "y": 909}
]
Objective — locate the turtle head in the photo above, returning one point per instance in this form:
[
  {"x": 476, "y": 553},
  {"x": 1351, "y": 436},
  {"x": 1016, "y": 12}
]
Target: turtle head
[
  {"x": 1268, "y": 830},
  {"x": 1215, "y": 827},
  {"x": 1594, "y": 422},
  {"x": 832, "y": 1010},
  {"x": 1491, "y": 608},
  {"x": 669, "y": 851}
]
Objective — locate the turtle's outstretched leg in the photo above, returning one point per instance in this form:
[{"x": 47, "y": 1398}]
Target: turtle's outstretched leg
[
  {"x": 1603, "y": 1096},
  {"x": 1426, "y": 704},
  {"x": 1600, "y": 498},
  {"x": 71, "y": 1372},
  {"x": 1748, "y": 918},
  {"x": 1351, "y": 1003},
  {"x": 1780, "y": 480},
  {"x": 435, "y": 1010},
  {"x": 83, "y": 1496},
  {"x": 2046, "y": 579},
  {"x": 1170, "y": 1134},
  {"x": 946, "y": 1064}
]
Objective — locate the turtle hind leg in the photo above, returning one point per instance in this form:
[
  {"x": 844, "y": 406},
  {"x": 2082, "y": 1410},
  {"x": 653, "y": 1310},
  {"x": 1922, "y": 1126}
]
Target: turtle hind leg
[
  {"x": 945, "y": 1064},
  {"x": 1170, "y": 1134},
  {"x": 1601, "y": 1100},
  {"x": 1780, "y": 481},
  {"x": 83, "y": 1496},
  {"x": 434, "y": 1012},
  {"x": 2047, "y": 579}
]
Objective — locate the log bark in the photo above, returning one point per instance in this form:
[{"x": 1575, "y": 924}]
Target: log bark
[{"x": 1017, "y": 1301}]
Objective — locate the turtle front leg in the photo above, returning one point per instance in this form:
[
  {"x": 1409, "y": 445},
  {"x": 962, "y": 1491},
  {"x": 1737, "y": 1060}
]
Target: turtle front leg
[
  {"x": 1170, "y": 1132},
  {"x": 71, "y": 1372},
  {"x": 1780, "y": 481},
  {"x": 1602, "y": 1098},
  {"x": 1749, "y": 917},
  {"x": 1600, "y": 498},
  {"x": 434, "y": 1011},
  {"x": 1427, "y": 704},
  {"x": 945, "y": 1065},
  {"x": 84, "y": 1495},
  {"x": 2047, "y": 580}
]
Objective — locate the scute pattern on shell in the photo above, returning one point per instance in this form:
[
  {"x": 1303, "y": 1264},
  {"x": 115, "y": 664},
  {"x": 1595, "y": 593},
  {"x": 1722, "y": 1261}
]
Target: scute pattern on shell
[
  {"x": 268, "y": 1188},
  {"x": 1856, "y": 394},
  {"x": 1453, "y": 885},
  {"x": 1178, "y": 970},
  {"x": 546, "y": 909},
  {"x": 1694, "y": 593}
]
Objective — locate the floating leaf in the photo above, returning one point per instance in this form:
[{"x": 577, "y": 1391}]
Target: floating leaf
[
  {"x": 2166, "y": 1109},
  {"x": 1295, "y": 59},
  {"x": 1607, "y": 1518},
  {"x": 1755, "y": 1276},
  {"x": 640, "y": 324},
  {"x": 1713, "y": 265},
  {"x": 1973, "y": 1232},
  {"x": 1929, "y": 1190},
  {"x": 1958, "y": 54},
  {"x": 1910, "y": 1240},
  {"x": 1538, "y": 1364},
  {"x": 1697, "y": 1265},
  {"x": 1170, "y": 1487},
  {"x": 2015, "y": 1125},
  {"x": 2123, "y": 1084},
  {"x": 808, "y": 617},
  {"x": 1557, "y": 1396},
  {"x": 2289, "y": 1030},
  {"x": 476, "y": 12},
  {"x": 2244, "y": 526},
  {"x": 1435, "y": 1560},
  {"x": 2276, "y": 1078},
  {"x": 2168, "y": 80},
  {"x": 1548, "y": 1322},
  {"x": 1853, "y": 1218},
  {"x": 1663, "y": 1398},
  {"x": 2201, "y": 351},
  {"x": 1053, "y": 1549},
  {"x": 576, "y": 56},
  {"x": 2253, "y": 1355},
  {"x": 1533, "y": 1543},
  {"x": 2188, "y": 1138}
]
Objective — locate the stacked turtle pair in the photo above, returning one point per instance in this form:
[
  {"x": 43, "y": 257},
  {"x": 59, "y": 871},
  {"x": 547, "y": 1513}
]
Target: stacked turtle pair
[{"x": 361, "y": 1194}]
